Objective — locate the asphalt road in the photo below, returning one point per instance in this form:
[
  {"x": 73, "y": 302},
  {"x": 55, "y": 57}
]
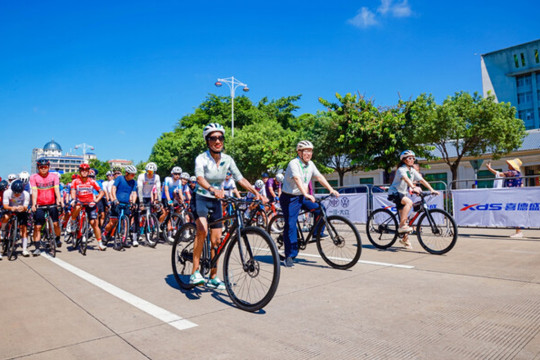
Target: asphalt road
[{"x": 479, "y": 301}]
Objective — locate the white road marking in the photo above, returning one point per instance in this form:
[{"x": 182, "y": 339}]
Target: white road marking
[{"x": 141, "y": 304}]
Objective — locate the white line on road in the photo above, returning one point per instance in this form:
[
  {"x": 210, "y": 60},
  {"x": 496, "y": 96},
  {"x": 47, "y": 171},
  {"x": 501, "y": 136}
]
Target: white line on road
[
  {"x": 141, "y": 304},
  {"x": 361, "y": 261}
]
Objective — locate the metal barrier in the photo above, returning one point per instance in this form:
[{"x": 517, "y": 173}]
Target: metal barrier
[{"x": 535, "y": 181}]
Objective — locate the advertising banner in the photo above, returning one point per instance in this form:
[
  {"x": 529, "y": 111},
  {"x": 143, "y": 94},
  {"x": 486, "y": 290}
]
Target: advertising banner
[
  {"x": 506, "y": 207},
  {"x": 351, "y": 206}
]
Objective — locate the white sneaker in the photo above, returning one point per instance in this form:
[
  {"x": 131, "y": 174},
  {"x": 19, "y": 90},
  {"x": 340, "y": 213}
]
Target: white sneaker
[
  {"x": 406, "y": 244},
  {"x": 517, "y": 235},
  {"x": 196, "y": 279},
  {"x": 25, "y": 253},
  {"x": 135, "y": 243},
  {"x": 405, "y": 229},
  {"x": 101, "y": 246}
]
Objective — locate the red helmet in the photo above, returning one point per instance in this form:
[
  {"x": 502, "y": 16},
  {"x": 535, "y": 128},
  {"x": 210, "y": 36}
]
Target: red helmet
[
  {"x": 84, "y": 167},
  {"x": 74, "y": 176}
]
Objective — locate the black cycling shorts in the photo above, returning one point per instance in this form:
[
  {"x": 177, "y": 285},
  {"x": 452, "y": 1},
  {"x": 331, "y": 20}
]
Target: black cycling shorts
[
  {"x": 396, "y": 198},
  {"x": 208, "y": 208},
  {"x": 39, "y": 216}
]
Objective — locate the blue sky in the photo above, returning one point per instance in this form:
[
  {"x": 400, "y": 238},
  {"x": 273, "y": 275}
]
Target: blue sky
[{"x": 118, "y": 74}]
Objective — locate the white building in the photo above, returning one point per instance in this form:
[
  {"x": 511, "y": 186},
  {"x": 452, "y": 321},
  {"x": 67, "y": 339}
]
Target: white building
[{"x": 61, "y": 163}]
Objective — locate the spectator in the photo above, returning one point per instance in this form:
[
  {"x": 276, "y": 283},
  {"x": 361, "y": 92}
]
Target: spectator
[
  {"x": 498, "y": 182},
  {"x": 512, "y": 178}
]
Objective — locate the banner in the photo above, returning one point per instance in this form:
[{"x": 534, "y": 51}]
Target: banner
[
  {"x": 351, "y": 206},
  {"x": 380, "y": 200},
  {"x": 506, "y": 207}
]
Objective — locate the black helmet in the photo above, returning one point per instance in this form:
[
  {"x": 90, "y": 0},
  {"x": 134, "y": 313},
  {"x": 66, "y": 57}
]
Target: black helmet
[
  {"x": 17, "y": 186},
  {"x": 3, "y": 185},
  {"x": 43, "y": 162}
]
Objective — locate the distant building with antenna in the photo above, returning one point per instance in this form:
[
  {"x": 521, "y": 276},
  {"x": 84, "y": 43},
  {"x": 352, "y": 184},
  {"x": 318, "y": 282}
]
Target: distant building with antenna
[{"x": 60, "y": 162}]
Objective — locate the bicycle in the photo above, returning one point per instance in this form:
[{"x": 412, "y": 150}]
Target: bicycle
[
  {"x": 48, "y": 237},
  {"x": 177, "y": 215},
  {"x": 251, "y": 266},
  {"x": 11, "y": 235},
  {"x": 436, "y": 229},
  {"x": 341, "y": 249},
  {"x": 148, "y": 225},
  {"x": 121, "y": 231},
  {"x": 81, "y": 235}
]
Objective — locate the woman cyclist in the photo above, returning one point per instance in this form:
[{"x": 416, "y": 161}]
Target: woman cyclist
[
  {"x": 211, "y": 168},
  {"x": 404, "y": 180}
]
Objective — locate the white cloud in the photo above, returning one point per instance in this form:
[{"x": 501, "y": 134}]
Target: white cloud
[{"x": 366, "y": 17}]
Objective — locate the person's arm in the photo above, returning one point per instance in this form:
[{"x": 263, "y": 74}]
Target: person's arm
[
  {"x": 428, "y": 185},
  {"x": 101, "y": 192},
  {"x": 113, "y": 193},
  {"x": 140, "y": 181},
  {"x": 488, "y": 166},
  {"x": 303, "y": 189},
  {"x": 73, "y": 193},
  {"x": 246, "y": 185}
]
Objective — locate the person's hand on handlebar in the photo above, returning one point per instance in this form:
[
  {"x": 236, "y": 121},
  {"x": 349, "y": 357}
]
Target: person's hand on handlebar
[
  {"x": 334, "y": 193},
  {"x": 219, "y": 193},
  {"x": 310, "y": 197}
]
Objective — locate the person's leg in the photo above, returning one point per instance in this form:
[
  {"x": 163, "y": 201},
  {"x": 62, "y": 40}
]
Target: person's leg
[
  {"x": 315, "y": 209},
  {"x": 404, "y": 211},
  {"x": 291, "y": 207}
]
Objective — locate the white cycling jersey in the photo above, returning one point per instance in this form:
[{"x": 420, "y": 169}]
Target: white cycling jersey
[
  {"x": 215, "y": 173},
  {"x": 145, "y": 184},
  {"x": 229, "y": 186},
  {"x": 11, "y": 199}
]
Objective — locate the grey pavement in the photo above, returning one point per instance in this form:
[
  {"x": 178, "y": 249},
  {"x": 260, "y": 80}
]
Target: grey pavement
[{"x": 479, "y": 301}]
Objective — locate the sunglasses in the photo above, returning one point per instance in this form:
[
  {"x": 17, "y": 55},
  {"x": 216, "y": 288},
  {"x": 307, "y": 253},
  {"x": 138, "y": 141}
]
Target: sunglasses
[
  {"x": 43, "y": 166},
  {"x": 410, "y": 158},
  {"x": 216, "y": 138}
]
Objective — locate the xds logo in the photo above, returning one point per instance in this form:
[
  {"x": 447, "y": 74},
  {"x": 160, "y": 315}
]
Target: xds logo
[{"x": 483, "y": 207}]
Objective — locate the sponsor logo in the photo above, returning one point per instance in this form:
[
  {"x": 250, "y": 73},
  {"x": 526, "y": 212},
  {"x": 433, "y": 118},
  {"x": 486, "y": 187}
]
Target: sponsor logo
[
  {"x": 502, "y": 207},
  {"x": 345, "y": 202}
]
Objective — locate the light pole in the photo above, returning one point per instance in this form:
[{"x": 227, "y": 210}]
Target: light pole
[
  {"x": 232, "y": 83},
  {"x": 84, "y": 147}
]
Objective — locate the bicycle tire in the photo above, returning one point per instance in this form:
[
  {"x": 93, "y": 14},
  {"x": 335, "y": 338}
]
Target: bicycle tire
[
  {"x": 446, "y": 238},
  {"x": 176, "y": 223},
  {"x": 13, "y": 238},
  {"x": 151, "y": 229},
  {"x": 85, "y": 236},
  {"x": 342, "y": 248},
  {"x": 381, "y": 228},
  {"x": 51, "y": 249},
  {"x": 182, "y": 255},
  {"x": 260, "y": 271}
]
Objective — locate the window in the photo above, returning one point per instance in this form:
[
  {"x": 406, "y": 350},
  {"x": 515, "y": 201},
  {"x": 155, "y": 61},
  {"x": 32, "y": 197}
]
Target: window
[
  {"x": 437, "y": 177},
  {"x": 536, "y": 58},
  {"x": 525, "y": 98},
  {"x": 527, "y": 115},
  {"x": 516, "y": 61},
  {"x": 523, "y": 81},
  {"x": 366, "y": 181},
  {"x": 522, "y": 59},
  {"x": 320, "y": 189}
]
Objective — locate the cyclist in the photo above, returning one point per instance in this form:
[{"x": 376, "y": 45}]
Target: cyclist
[
  {"x": 45, "y": 192},
  {"x": 295, "y": 196},
  {"x": 12, "y": 178},
  {"x": 102, "y": 203},
  {"x": 211, "y": 168},
  {"x": 192, "y": 190},
  {"x": 170, "y": 193},
  {"x": 229, "y": 186},
  {"x": 123, "y": 192},
  {"x": 184, "y": 188},
  {"x": 16, "y": 201},
  {"x": 404, "y": 180},
  {"x": 146, "y": 183},
  {"x": 272, "y": 186},
  {"x": 259, "y": 186},
  {"x": 83, "y": 196}
]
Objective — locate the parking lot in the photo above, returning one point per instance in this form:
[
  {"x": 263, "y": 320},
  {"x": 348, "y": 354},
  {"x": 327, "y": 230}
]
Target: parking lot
[{"x": 479, "y": 301}]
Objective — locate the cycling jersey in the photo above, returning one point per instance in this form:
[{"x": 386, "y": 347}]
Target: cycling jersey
[
  {"x": 172, "y": 186},
  {"x": 145, "y": 184},
  {"x": 215, "y": 173},
  {"x": 11, "y": 199},
  {"x": 83, "y": 190},
  {"x": 297, "y": 168},
  {"x": 229, "y": 186},
  {"x": 274, "y": 185},
  {"x": 45, "y": 187}
]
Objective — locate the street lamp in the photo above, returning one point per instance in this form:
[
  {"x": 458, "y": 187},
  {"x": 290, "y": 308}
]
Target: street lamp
[
  {"x": 84, "y": 147},
  {"x": 232, "y": 83}
]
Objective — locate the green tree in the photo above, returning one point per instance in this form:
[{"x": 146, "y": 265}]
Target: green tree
[
  {"x": 65, "y": 178},
  {"x": 467, "y": 125},
  {"x": 101, "y": 166}
]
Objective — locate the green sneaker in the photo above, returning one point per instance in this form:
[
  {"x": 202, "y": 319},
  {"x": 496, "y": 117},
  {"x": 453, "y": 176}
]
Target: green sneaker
[
  {"x": 216, "y": 283},
  {"x": 196, "y": 279}
]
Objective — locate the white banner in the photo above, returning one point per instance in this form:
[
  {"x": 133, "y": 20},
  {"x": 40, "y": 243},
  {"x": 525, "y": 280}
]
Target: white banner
[
  {"x": 380, "y": 200},
  {"x": 351, "y": 206},
  {"x": 506, "y": 207}
]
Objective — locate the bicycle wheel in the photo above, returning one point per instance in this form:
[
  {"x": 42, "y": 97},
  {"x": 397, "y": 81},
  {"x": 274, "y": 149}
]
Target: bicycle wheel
[
  {"x": 251, "y": 269},
  {"x": 440, "y": 239},
  {"x": 151, "y": 228},
  {"x": 182, "y": 255},
  {"x": 342, "y": 247},
  {"x": 12, "y": 239},
  {"x": 85, "y": 237},
  {"x": 275, "y": 229},
  {"x": 51, "y": 238},
  {"x": 261, "y": 219},
  {"x": 381, "y": 228},
  {"x": 176, "y": 222}
]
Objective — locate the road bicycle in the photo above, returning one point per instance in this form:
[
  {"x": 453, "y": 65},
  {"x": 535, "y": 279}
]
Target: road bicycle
[
  {"x": 48, "y": 236},
  {"x": 436, "y": 229},
  {"x": 121, "y": 232},
  {"x": 148, "y": 225},
  {"x": 251, "y": 268},
  {"x": 340, "y": 249},
  {"x": 177, "y": 215},
  {"x": 80, "y": 236},
  {"x": 11, "y": 236}
]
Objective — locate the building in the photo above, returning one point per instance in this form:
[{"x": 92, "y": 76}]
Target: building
[
  {"x": 513, "y": 75},
  {"x": 60, "y": 162},
  {"x": 119, "y": 162}
]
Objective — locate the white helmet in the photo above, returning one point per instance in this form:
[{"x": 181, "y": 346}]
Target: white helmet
[
  {"x": 193, "y": 179},
  {"x": 212, "y": 127},
  {"x": 184, "y": 175},
  {"x": 12, "y": 177},
  {"x": 280, "y": 178},
  {"x": 151, "y": 167},
  {"x": 176, "y": 170},
  {"x": 130, "y": 169},
  {"x": 406, "y": 153},
  {"x": 24, "y": 176},
  {"x": 259, "y": 184},
  {"x": 304, "y": 144}
]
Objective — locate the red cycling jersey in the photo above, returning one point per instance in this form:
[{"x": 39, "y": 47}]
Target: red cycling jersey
[
  {"x": 45, "y": 187},
  {"x": 83, "y": 190}
]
